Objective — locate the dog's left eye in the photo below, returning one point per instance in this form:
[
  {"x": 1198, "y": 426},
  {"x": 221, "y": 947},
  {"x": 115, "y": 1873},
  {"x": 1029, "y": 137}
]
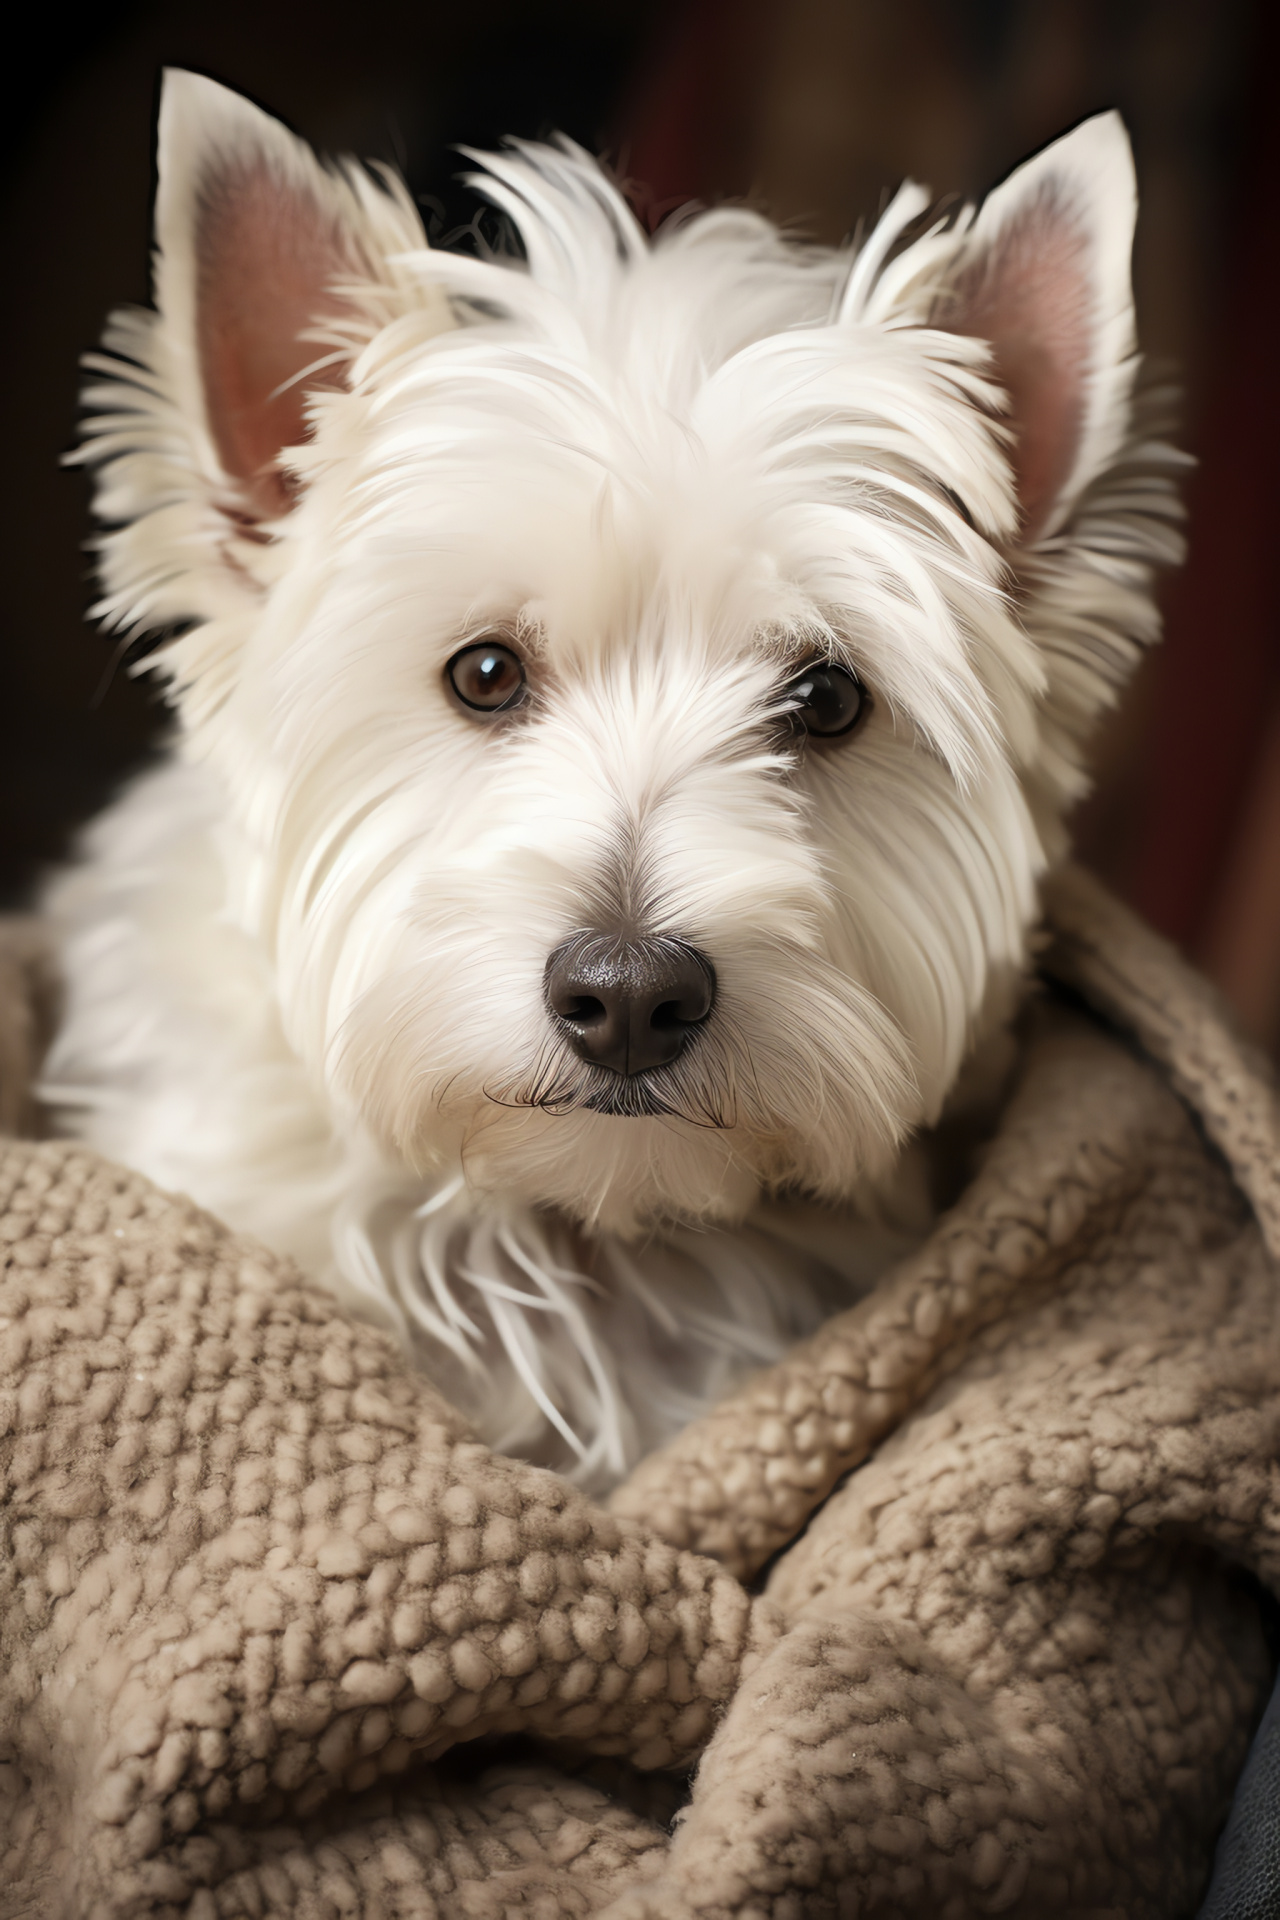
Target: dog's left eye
[
  {"x": 487, "y": 677},
  {"x": 826, "y": 699}
]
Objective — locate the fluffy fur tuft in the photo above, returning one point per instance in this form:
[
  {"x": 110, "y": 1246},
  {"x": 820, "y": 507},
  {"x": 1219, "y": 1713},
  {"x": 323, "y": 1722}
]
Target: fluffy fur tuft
[{"x": 305, "y": 959}]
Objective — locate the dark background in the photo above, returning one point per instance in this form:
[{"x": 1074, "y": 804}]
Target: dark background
[{"x": 813, "y": 109}]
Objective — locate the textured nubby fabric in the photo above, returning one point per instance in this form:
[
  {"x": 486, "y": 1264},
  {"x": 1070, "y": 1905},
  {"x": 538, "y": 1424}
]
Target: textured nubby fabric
[{"x": 955, "y": 1609}]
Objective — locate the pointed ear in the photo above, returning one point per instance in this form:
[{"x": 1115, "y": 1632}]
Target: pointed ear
[
  {"x": 254, "y": 242},
  {"x": 1043, "y": 275}
]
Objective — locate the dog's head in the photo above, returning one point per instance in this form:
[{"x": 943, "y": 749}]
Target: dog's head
[{"x": 646, "y": 677}]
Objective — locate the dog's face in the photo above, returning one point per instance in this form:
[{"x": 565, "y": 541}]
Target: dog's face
[{"x": 644, "y": 683}]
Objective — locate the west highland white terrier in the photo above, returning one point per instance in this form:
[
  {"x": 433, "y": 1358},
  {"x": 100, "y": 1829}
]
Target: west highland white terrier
[{"x": 626, "y": 697}]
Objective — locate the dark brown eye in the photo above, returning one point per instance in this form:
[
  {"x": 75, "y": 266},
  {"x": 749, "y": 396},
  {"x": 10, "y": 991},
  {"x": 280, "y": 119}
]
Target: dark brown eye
[
  {"x": 487, "y": 677},
  {"x": 826, "y": 699}
]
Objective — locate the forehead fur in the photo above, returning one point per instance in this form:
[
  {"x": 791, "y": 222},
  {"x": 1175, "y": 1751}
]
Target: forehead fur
[{"x": 620, "y": 425}]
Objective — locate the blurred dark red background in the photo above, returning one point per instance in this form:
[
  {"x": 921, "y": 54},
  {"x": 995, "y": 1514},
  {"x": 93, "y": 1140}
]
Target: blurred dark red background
[{"x": 813, "y": 109}]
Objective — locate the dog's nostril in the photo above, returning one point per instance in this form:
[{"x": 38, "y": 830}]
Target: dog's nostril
[
  {"x": 629, "y": 1003},
  {"x": 583, "y": 1011}
]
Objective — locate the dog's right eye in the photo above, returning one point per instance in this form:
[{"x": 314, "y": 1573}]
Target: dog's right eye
[
  {"x": 827, "y": 700},
  {"x": 487, "y": 677}
]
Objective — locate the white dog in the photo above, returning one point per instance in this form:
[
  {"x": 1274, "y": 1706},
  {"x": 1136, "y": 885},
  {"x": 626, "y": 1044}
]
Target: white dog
[{"x": 626, "y": 699}]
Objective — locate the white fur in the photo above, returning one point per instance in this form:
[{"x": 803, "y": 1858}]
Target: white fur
[{"x": 305, "y": 959}]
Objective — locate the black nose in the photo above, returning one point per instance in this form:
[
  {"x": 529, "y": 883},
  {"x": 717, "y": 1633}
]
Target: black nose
[{"x": 629, "y": 1003}]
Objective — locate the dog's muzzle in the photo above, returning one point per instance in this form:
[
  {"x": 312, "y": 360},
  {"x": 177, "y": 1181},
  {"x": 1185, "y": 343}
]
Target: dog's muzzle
[{"x": 629, "y": 1003}]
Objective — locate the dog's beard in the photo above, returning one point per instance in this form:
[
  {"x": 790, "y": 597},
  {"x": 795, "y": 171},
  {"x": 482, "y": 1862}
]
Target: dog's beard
[{"x": 695, "y": 1087}]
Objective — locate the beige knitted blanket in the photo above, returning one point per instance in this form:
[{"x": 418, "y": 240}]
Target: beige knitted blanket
[{"x": 955, "y": 1611}]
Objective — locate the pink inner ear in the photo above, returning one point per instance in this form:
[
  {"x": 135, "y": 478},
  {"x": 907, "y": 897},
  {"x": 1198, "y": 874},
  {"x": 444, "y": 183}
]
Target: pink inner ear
[
  {"x": 267, "y": 256},
  {"x": 1032, "y": 296}
]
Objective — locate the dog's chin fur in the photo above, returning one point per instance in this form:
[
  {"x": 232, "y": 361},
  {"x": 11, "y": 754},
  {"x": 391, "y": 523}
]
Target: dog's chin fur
[
  {"x": 305, "y": 958},
  {"x": 613, "y": 1174}
]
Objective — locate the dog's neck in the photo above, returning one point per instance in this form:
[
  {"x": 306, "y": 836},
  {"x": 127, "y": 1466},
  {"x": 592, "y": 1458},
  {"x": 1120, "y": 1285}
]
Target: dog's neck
[{"x": 583, "y": 1352}]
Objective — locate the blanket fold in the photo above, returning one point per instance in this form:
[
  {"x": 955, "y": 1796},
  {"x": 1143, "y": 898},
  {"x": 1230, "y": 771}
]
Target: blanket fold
[{"x": 272, "y": 1617}]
